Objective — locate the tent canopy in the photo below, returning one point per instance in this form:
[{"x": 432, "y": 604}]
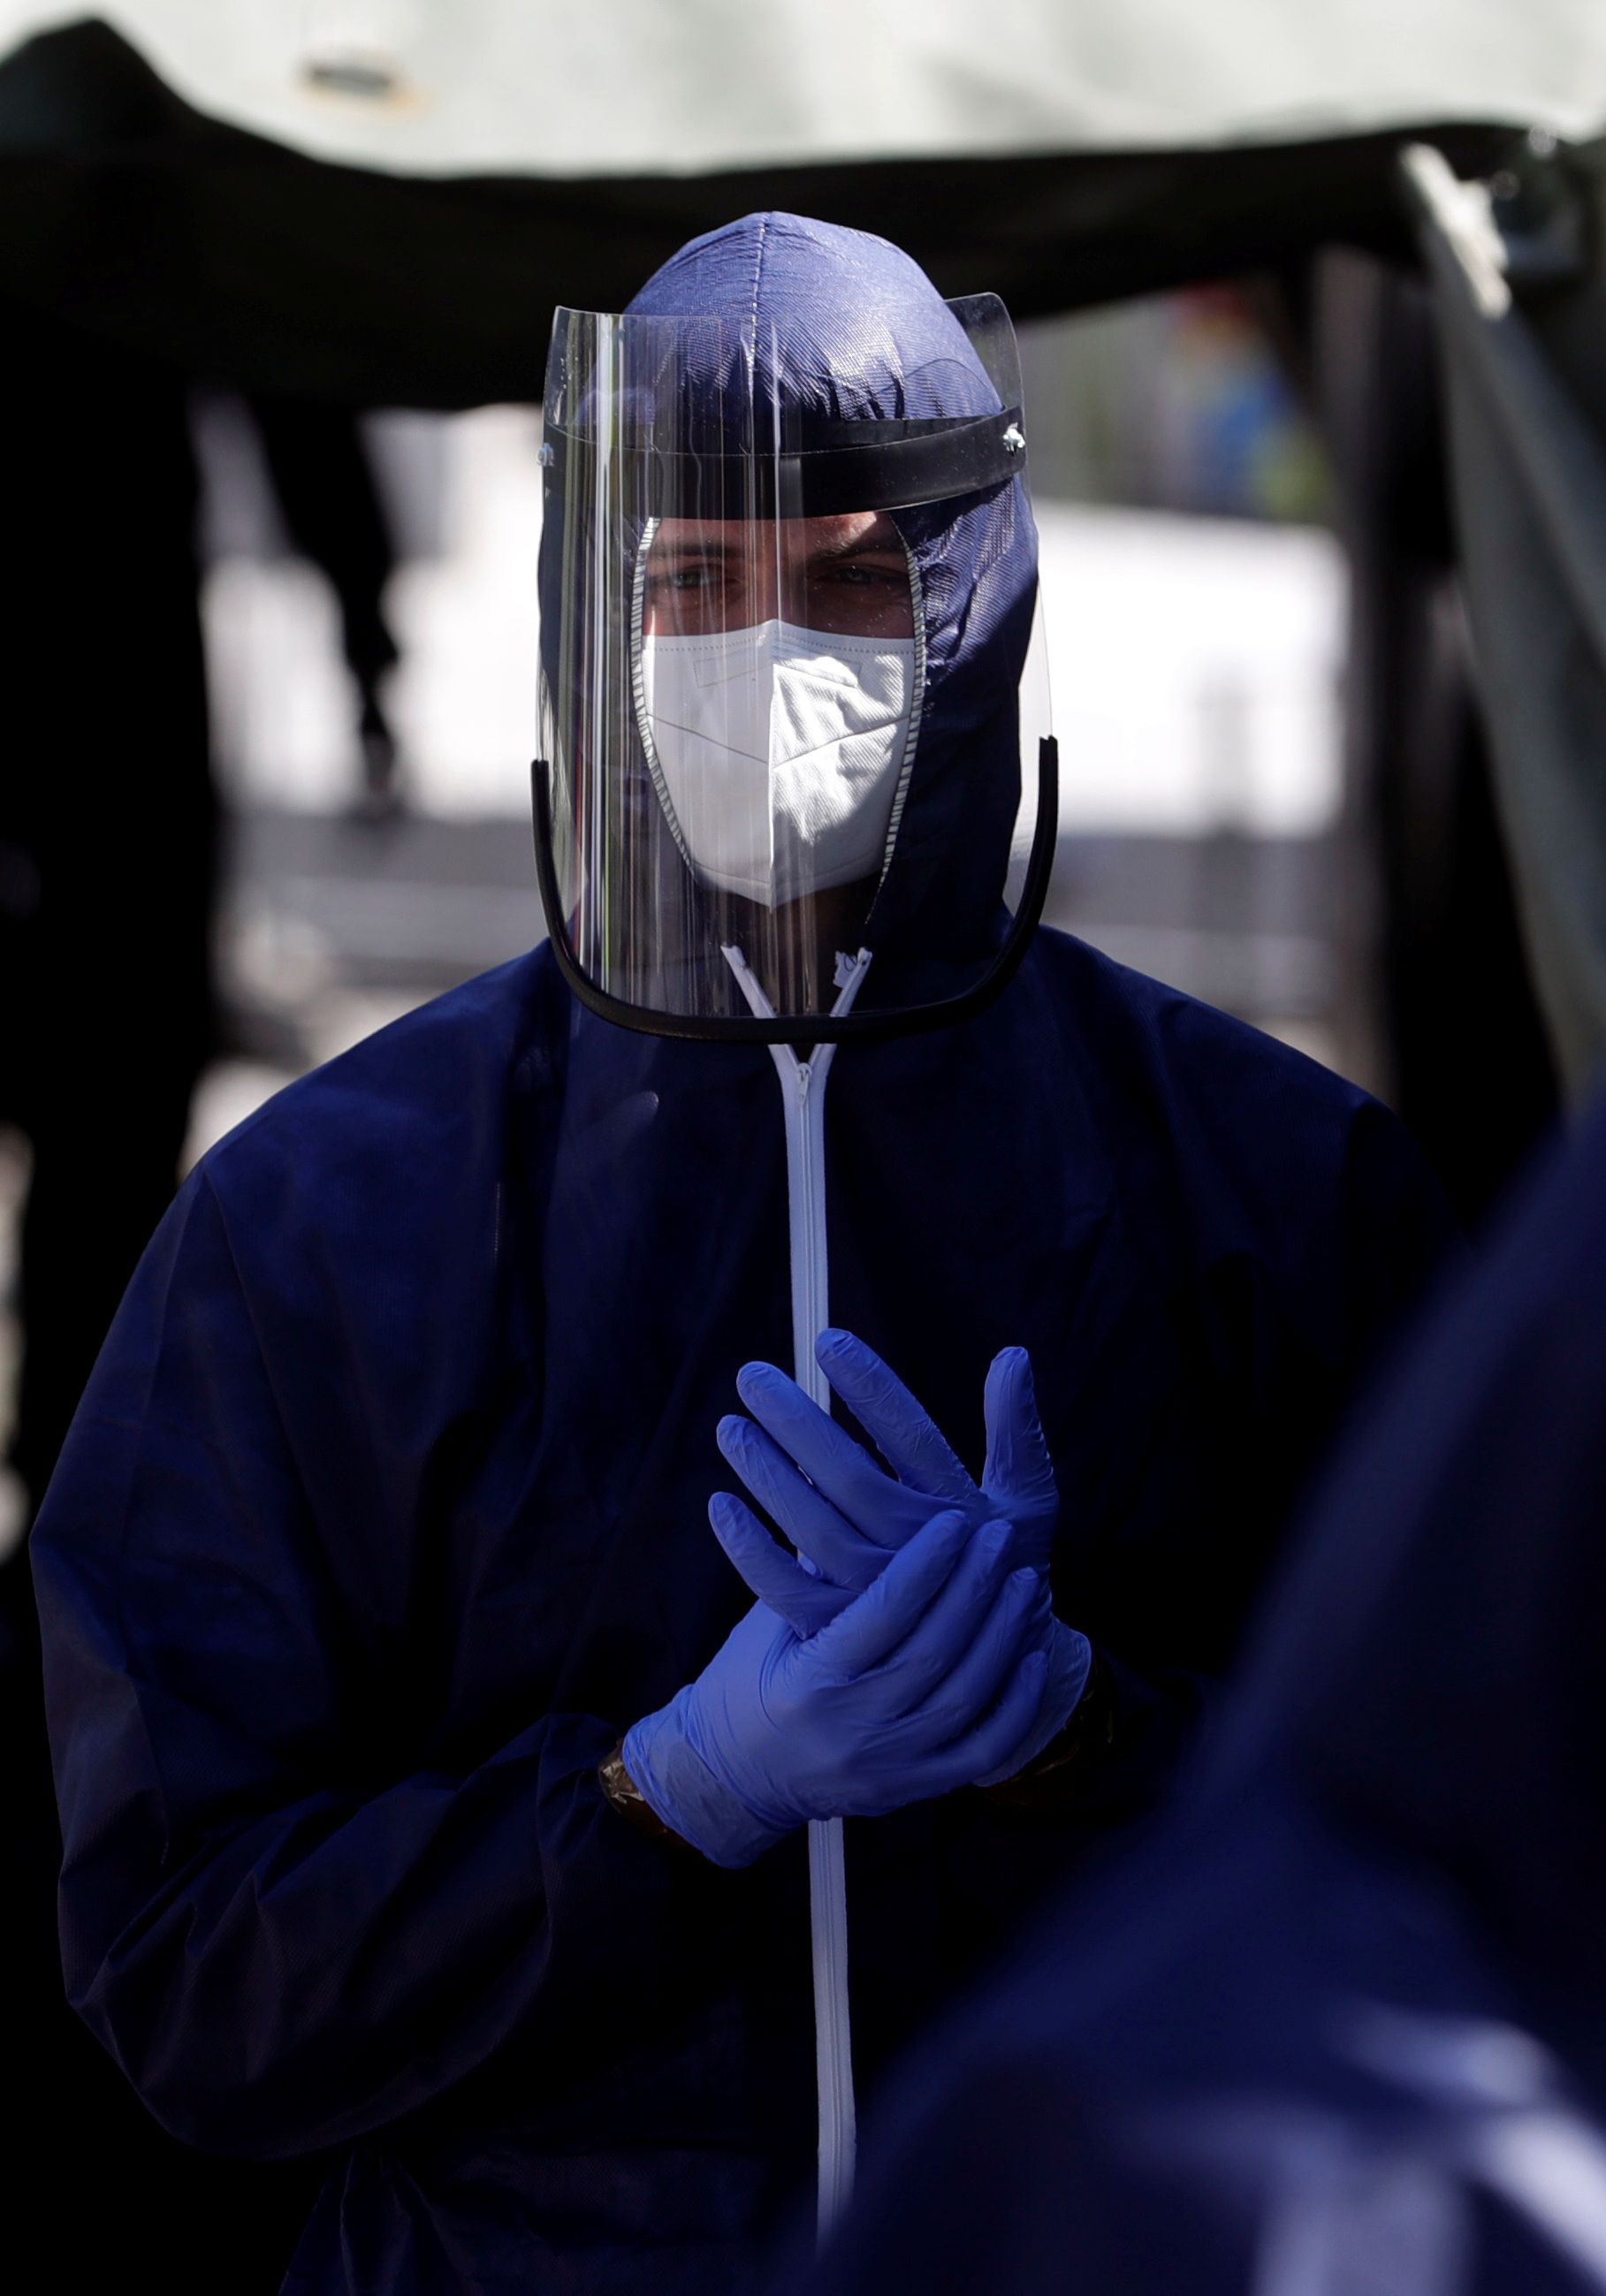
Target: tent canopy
[
  {"x": 129, "y": 213},
  {"x": 629, "y": 87}
]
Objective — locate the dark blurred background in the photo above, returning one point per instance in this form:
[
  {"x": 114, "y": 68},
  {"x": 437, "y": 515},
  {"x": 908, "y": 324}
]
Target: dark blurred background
[{"x": 271, "y": 425}]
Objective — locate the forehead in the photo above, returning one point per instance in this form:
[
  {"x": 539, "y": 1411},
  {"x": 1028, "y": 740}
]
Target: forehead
[{"x": 858, "y": 529}]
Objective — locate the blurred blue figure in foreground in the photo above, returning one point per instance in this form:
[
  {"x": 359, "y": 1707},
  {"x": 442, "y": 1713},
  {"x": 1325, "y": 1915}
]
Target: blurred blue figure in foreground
[
  {"x": 379, "y": 1550},
  {"x": 1344, "y": 2029}
]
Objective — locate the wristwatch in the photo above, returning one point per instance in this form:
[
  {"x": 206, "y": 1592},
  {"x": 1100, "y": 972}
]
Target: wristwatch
[
  {"x": 1063, "y": 1769},
  {"x": 628, "y": 1798}
]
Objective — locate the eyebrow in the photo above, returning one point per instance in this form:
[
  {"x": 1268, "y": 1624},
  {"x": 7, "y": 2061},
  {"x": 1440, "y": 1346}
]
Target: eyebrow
[
  {"x": 863, "y": 546},
  {"x": 688, "y": 549}
]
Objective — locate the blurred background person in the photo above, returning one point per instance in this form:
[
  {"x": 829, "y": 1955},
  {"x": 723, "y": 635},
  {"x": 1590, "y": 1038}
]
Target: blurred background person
[
  {"x": 109, "y": 828},
  {"x": 109, "y": 857},
  {"x": 1342, "y": 2026},
  {"x": 108, "y": 843}
]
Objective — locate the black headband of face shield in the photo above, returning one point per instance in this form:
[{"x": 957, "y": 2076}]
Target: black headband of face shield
[
  {"x": 809, "y": 1029},
  {"x": 826, "y": 468}
]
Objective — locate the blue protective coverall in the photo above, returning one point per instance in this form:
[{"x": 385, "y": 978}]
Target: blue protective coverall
[
  {"x": 385, "y": 1514},
  {"x": 1343, "y": 2026}
]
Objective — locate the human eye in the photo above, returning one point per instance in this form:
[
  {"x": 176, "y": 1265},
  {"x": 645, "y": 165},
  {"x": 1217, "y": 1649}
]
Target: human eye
[{"x": 688, "y": 578}]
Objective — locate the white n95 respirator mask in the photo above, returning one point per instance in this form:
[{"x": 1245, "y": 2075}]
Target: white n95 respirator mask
[{"x": 778, "y": 754}]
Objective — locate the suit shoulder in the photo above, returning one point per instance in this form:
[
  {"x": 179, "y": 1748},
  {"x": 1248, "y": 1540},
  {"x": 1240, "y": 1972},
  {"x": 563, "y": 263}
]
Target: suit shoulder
[
  {"x": 1196, "y": 1056},
  {"x": 431, "y": 1089}
]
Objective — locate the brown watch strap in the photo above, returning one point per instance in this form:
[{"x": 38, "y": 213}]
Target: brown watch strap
[
  {"x": 628, "y": 1798},
  {"x": 1065, "y": 1765}
]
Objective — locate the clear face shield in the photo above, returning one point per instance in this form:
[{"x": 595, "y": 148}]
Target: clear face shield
[{"x": 794, "y": 781}]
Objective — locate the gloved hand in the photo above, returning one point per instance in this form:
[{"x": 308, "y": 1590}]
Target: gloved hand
[
  {"x": 928, "y": 1681},
  {"x": 847, "y": 1516},
  {"x": 845, "y": 1512}
]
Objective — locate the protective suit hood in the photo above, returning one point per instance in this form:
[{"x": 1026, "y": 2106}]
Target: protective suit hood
[{"x": 859, "y": 323}]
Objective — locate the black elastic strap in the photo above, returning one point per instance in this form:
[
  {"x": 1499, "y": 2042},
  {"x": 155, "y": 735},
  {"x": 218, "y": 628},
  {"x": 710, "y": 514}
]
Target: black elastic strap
[{"x": 841, "y": 466}]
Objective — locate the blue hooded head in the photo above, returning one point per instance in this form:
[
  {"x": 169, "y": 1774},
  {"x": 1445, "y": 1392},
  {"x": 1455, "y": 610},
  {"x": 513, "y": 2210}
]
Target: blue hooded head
[
  {"x": 844, "y": 326},
  {"x": 818, "y": 329}
]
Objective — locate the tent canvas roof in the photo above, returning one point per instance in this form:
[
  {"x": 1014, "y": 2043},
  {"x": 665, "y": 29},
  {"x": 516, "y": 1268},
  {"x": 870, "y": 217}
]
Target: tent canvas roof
[{"x": 631, "y": 88}]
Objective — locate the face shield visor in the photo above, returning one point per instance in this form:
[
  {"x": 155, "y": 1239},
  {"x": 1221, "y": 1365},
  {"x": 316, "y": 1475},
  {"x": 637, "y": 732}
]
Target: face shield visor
[{"x": 794, "y": 783}]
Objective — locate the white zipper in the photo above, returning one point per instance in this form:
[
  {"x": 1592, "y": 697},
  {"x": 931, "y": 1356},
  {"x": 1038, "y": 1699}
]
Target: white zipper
[{"x": 803, "y": 1099}]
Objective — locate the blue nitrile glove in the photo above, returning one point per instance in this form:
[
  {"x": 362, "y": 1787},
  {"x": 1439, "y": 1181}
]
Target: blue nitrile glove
[
  {"x": 927, "y": 1681},
  {"x": 847, "y": 1514},
  {"x": 842, "y": 1510}
]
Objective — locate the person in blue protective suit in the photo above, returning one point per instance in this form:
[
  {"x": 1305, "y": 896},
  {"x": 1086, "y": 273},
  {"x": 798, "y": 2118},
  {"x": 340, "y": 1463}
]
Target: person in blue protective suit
[
  {"x": 1343, "y": 2026},
  {"x": 383, "y": 1521}
]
